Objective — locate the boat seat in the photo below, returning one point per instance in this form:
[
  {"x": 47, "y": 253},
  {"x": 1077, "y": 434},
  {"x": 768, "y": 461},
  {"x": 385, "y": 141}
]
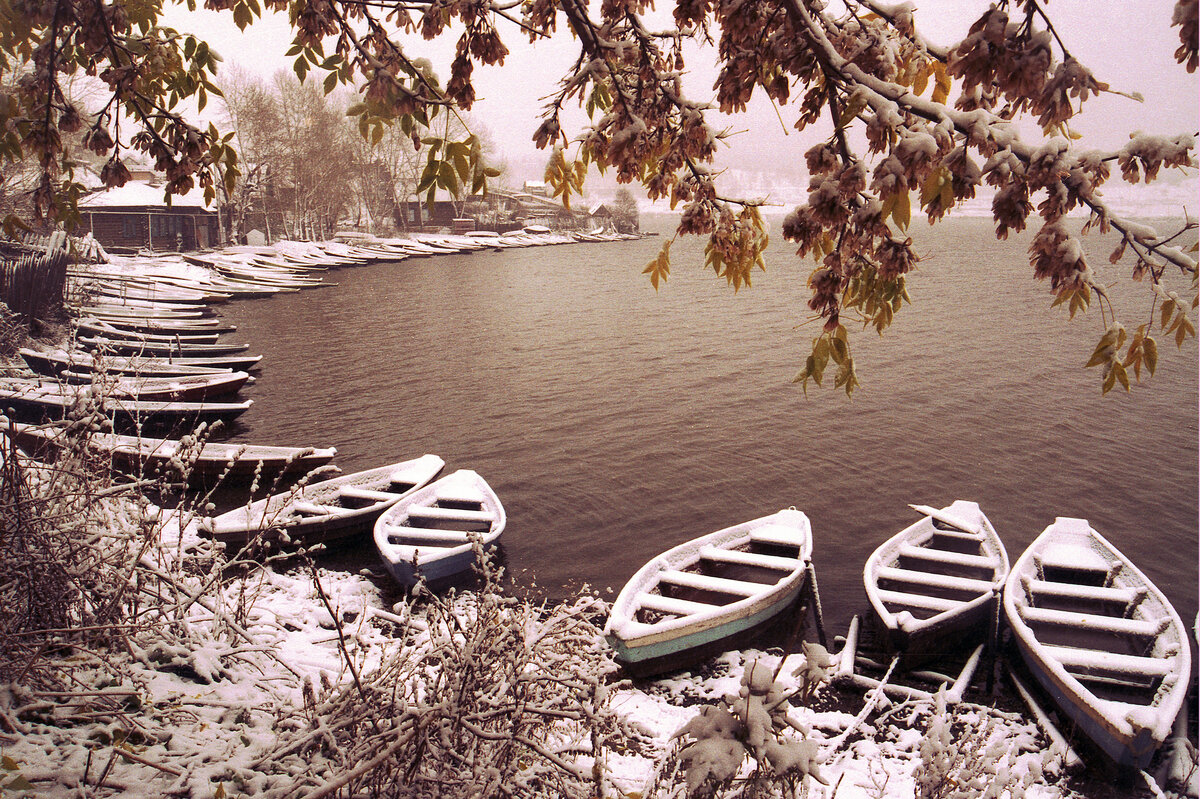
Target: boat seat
[
  {"x": 1074, "y": 558},
  {"x": 1092, "y": 621},
  {"x": 936, "y": 604},
  {"x": 704, "y": 582},
  {"x": 677, "y": 607},
  {"x": 777, "y": 535},
  {"x": 955, "y": 535},
  {"x": 450, "y": 514},
  {"x": 1092, "y": 661},
  {"x": 401, "y": 478},
  {"x": 947, "y": 558},
  {"x": 354, "y": 492},
  {"x": 1124, "y": 596},
  {"x": 933, "y": 580},
  {"x": 736, "y": 556},
  {"x": 313, "y": 509},
  {"x": 460, "y": 495},
  {"x": 402, "y": 534}
]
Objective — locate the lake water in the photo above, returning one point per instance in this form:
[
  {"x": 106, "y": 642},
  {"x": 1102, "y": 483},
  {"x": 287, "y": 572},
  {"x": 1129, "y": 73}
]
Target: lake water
[{"x": 615, "y": 422}]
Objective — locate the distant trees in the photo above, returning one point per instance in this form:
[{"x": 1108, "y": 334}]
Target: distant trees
[
  {"x": 905, "y": 122},
  {"x": 625, "y": 209},
  {"x": 304, "y": 167}
]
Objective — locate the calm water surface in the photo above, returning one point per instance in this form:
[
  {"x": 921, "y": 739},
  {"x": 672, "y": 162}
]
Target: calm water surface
[{"x": 615, "y": 422}]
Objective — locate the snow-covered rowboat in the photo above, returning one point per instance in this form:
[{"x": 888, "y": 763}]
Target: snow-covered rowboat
[
  {"x": 935, "y": 586},
  {"x": 206, "y": 462},
  {"x": 702, "y": 597},
  {"x": 1103, "y": 641},
  {"x": 159, "y": 348},
  {"x": 429, "y": 533},
  {"x": 52, "y": 362},
  {"x": 36, "y": 401},
  {"x": 328, "y": 510}
]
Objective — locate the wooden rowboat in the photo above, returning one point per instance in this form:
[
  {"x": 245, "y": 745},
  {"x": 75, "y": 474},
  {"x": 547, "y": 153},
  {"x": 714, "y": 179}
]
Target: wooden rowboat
[
  {"x": 205, "y": 462},
  {"x": 935, "y": 586},
  {"x": 181, "y": 388},
  {"x": 1102, "y": 640},
  {"x": 53, "y": 362},
  {"x": 325, "y": 511},
  {"x": 34, "y": 401},
  {"x": 159, "y": 348},
  {"x": 703, "y": 596},
  {"x": 428, "y": 534}
]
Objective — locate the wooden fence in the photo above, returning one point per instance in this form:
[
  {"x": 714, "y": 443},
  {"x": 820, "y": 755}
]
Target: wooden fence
[{"x": 32, "y": 284}]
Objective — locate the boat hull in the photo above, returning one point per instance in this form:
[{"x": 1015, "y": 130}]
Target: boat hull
[
  {"x": 431, "y": 533},
  {"x": 649, "y": 658},
  {"x": 934, "y": 587},
  {"x": 711, "y": 594},
  {"x": 1102, "y": 641}
]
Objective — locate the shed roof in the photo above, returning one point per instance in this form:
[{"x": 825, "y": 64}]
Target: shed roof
[{"x": 140, "y": 194}]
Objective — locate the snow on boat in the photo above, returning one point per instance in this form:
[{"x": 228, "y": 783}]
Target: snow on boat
[
  {"x": 429, "y": 533},
  {"x": 181, "y": 388},
  {"x": 1101, "y": 638},
  {"x": 37, "y": 401},
  {"x": 53, "y": 362},
  {"x": 159, "y": 349},
  {"x": 697, "y": 599},
  {"x": 207, "y": 461},
  {"x": 935, "y": 586},
  {"x": 328, "y": 510}
]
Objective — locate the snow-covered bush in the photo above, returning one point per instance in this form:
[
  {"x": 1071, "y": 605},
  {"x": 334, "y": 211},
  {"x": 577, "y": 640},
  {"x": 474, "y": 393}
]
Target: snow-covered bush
[
  {"x": 69, "y": 539},
  {"x": 749, "y": 743},
  {"x": 967, "y": 755},
  {"x": 484, "y": 694}
]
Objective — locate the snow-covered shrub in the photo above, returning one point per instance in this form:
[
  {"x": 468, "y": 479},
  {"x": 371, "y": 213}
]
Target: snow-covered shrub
[
  {"x": 965, "y": 754},
  {"x": 749, "y": 743},
  {"x": 64, "y": 567},
  {"x": 483, "y": 695}
]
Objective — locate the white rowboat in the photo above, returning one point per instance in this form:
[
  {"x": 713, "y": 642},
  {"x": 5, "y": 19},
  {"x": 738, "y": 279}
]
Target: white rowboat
[
  {"x": 429, "y": 533},
  {"x": 699, "y": 598},
  {"x": 1102, "y": 640}
]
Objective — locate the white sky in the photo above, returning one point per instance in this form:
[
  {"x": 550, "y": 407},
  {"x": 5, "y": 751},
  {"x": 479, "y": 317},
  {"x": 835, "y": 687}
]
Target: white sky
[{"x": 1128, "y": 44}]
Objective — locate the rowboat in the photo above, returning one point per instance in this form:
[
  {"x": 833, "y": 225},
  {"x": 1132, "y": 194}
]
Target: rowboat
[
  {"x": 181, "y": 388},
  {"x": 160, "y": 349},
  {"x": 325, "y": 511},
  {"x": 36, "y": 402},
  {"x": 935, "y": 586},
  {"x": 95, "y": 326},
  {"x": 429, "y": 533},
  {"x": 158, "y": 326},
  {"x": 1102, "y": 640},
  {"x": 52, "y": 362},
  {"x": 205, "y": 462},
  {"x": 701, "y": 597}
]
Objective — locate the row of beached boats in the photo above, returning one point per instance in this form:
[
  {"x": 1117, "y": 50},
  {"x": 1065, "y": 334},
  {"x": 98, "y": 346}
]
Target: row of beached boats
[{"x": 1101, "y": 639}]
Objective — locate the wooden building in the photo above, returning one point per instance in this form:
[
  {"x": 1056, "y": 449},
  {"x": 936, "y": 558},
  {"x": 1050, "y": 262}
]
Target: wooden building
[{"x": 136, "y": 216}]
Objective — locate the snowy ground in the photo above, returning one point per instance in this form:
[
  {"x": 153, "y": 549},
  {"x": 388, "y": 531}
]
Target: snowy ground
[{"x": 201, "y": 720}]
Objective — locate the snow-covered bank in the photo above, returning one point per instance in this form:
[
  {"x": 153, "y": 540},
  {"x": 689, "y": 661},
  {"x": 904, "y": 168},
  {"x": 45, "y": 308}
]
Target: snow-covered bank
[{"x": 294, "y": 680}]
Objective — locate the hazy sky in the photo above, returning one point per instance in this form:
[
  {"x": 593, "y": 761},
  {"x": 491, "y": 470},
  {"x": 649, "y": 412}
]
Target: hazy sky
[{"x": 1128, "y": 44}]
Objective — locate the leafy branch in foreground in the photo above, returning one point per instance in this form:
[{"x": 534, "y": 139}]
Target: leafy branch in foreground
[{"x": 909, "y": 127}]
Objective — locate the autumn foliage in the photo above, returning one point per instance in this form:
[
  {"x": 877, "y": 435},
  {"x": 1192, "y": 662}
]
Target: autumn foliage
[{"x": 913, "y": 128}]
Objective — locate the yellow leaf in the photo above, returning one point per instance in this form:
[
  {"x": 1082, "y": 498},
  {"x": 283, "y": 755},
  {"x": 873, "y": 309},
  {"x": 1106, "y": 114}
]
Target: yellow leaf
[
  {"x": 921, "y": 80},
  {"x": 1122, "y": 376},
  {"x": 1150, "y": 354},
  {"x": 1168, "y": 308},
  {"x": 902, "y": 214}
]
